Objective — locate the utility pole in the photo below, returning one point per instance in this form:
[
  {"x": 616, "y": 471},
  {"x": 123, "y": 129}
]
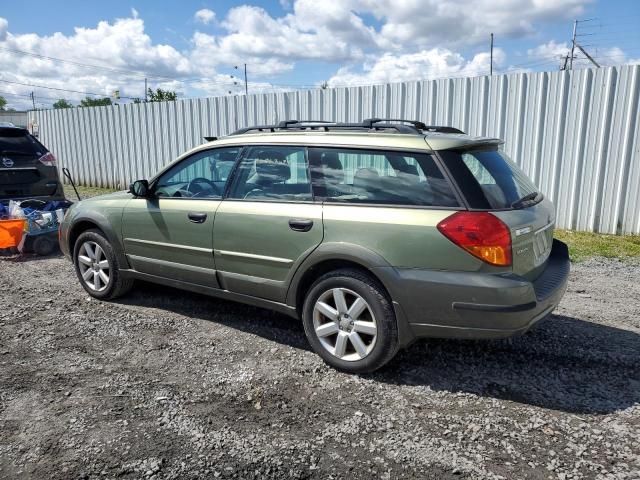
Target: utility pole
[
  {"x": 246, "y": 88},
  {"x": 33, "y": 99},
  {"x": 145, "y": 90},
  {"x": 491, "y": 57},
  {"x": 573, "y": 44}
]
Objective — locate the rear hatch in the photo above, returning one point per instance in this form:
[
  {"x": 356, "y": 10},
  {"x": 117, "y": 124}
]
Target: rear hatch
[
  {"x": 491, "y": 182},
  {"x": 27, "y": 169}
]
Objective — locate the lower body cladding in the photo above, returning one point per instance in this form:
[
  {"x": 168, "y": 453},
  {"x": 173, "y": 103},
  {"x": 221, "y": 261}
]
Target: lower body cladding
[{"x": 470, "y": 305}]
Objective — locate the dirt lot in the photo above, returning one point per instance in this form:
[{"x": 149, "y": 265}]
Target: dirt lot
[{"x": 165, "y": 384}]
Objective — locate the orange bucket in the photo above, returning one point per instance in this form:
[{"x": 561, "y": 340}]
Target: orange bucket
[{"x": 11, "y": 232}]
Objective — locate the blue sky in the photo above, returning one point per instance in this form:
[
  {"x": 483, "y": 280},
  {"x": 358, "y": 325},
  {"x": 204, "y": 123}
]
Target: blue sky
[{"x": 192, "y": 46}]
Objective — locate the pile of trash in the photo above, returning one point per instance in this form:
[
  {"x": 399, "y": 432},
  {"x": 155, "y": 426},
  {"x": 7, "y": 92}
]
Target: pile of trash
[{"x": 31, "y": 226}]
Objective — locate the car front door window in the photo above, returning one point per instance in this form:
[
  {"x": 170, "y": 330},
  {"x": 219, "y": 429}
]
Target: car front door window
[{"x": 203, "y": 175}]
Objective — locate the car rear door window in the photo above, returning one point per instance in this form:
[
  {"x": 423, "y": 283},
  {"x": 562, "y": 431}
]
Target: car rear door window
[
  {"x": 379, "y": 177},
  {"x": 272, "y": 173}
]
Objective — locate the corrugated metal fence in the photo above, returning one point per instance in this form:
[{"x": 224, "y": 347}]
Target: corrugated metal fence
[
  {"x": 575, "y": 132},
  {"x": 19, "y": 119}
]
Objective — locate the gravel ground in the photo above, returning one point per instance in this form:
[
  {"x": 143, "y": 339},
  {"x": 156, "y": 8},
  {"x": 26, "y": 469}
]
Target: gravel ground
[{"x": 166, "y": 384}]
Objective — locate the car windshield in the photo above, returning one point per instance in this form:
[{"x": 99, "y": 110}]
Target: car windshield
[{"x": 489, "y": 179}]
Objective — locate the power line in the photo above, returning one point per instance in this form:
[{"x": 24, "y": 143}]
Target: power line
[
  {"x": 72, "y": 62},
  {"x": 137, "y": 73},
  {"x": 59, "y": 89}
]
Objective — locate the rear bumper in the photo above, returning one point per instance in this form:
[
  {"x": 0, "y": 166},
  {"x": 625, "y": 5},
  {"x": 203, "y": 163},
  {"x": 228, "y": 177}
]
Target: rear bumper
[{"x": 477, "y": 305}]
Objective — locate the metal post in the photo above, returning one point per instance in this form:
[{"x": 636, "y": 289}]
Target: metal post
[
  {"x": 573, "y": 44},
  {"x": 145, "y": 90},
  {"x": 491, "y": 57}
]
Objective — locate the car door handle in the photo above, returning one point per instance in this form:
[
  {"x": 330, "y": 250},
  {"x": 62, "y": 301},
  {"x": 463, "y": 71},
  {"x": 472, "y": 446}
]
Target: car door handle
[
  {"x": 300, "y": 224},
  {"x": 197, "y": 217}
]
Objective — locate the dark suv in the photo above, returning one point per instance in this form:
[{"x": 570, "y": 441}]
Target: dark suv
[{"x": 27, "y": 168}]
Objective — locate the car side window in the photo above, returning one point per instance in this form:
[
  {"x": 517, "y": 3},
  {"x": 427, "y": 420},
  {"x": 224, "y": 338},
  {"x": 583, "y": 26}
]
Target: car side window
[
  {"x": 272, "y": 173},
  {"x": 202, "y": 175},
  {"x": 379, "y": 177}
]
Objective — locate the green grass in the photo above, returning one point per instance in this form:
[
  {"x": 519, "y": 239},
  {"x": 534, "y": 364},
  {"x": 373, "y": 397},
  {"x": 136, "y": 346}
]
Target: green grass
[
  {"x": 85, "y": 192},
  {"x": 584, "y": 245}
]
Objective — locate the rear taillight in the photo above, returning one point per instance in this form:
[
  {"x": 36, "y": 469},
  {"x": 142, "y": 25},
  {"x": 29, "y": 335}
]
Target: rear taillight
[
  {"x": 481, "y": 234},
  {"x": 48, "y": 159}
]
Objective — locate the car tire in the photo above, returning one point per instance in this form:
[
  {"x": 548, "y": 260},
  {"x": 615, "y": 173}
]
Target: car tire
[
  {"x": 349, "y": 321},
  {"x": 97, "y": 267},
  {"x": 43, "y": 246}
]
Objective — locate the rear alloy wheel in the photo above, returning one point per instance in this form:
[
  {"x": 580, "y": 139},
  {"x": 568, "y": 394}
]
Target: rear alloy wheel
[
  {"x": 349, "y": 321},
  {"x": 97, "y": 266},
  {"x": 345, "y": 324}
]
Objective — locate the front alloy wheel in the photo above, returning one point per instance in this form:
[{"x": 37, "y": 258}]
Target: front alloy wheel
[
  {"x": 345, "y": 324},
  {"x": 94, "y": 266},
  {"x": 97, "y": 266}
]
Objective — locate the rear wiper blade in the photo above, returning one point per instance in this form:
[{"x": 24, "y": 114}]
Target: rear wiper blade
[{"x": 527, "y": 198}]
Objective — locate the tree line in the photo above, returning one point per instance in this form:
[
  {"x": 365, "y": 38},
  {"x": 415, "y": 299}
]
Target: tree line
[{"x": 158, "y": 95}]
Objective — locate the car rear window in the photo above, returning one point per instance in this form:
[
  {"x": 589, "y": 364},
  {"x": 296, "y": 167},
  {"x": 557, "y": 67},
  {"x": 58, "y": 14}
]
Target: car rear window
[
  {"x": 379, "y": 177},
  {"x": 18, "y": 141},
  {"x": 488, "y": 178}
]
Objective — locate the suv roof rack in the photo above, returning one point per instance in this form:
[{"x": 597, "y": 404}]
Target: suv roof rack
[{"x": 370, "y": 124}]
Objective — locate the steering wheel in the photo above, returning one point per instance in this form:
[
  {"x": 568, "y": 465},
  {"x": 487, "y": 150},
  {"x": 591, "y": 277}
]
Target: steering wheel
[{"x": 199, "y": 190}]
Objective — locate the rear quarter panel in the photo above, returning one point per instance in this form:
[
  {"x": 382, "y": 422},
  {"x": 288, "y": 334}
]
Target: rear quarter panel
[{"x": 403, "y": 237}]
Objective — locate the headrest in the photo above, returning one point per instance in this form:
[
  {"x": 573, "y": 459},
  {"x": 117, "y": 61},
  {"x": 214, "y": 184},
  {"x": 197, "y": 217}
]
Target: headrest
[
  {"x": 226, "y": 156},
  {"x": 410, "y": 169},
  {"x": 271, "y": 167},
  {"x": 332, "y": 168},
  {"x": 367, "y": 179}
]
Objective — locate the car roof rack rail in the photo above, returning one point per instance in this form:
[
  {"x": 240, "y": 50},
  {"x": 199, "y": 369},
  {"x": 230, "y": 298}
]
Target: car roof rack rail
[
  {"x": 415, "y": 123},
  {"x": 371, "y": 124}
]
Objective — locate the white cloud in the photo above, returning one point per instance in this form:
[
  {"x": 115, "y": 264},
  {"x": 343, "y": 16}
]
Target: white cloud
[
  {"x": 410, "y": 39},
  {"x": 205, "y": 16},
  {"x": 426, "y": 64},
  {"x": 4, "y": 25},
  {"x": 555, "y": 52},
  {"x": 423, "y": 23},
  {"x": 117, "y": 47},
  {"x": 122, "y": 54},
  {"x": 335, "y": 31},
  {"x": 323, "y": 32},
  {"x": 549, "y": 50},
  {"x": 610, "y": 56}
]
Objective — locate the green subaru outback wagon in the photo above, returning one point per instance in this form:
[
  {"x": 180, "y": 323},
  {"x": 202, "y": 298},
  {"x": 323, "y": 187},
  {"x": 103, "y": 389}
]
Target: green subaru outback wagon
[{"x": 373, "y": 233}]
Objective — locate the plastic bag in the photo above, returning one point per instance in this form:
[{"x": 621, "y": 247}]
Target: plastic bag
[{"x": 15, "y": 210}]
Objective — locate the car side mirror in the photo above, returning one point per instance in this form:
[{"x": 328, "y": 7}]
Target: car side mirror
[{"x": 140, "y": 188}]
